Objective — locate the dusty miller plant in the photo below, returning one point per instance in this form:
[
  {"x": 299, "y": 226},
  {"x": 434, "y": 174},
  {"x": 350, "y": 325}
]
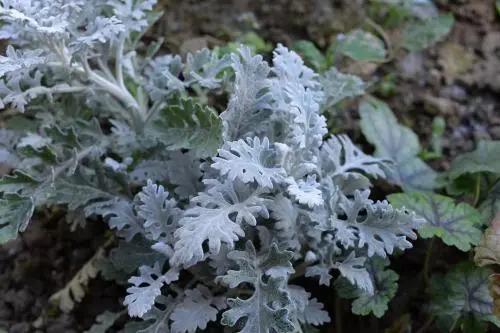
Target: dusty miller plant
[{"x": 218, "y": 213}]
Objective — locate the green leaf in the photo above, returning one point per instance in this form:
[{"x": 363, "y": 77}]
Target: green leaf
[
  {"x": 311, "y": 54},
  {"x": 397, "y": 143},
  {"x": 422, "y": 34},
  {"x": 362, "y": 46},
  {"x": 457, "y": 225},
  {"x": 188, "y": 125},
  {"x": 461, "y": 294},
  {"x": 73, "y": 195},
  {"x": 385, "y": 282},
  {"x": 15, "y": 214},
  {"x": 485, "y": 158},
  {"x": 490, "y": 207}
]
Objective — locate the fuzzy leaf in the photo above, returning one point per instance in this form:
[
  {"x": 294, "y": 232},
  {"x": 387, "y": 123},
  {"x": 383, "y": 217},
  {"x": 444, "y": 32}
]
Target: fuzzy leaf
[
  {"x": 15, "y": 214},
  {"x": 250, "y": 102},
  {"x": 385, "y": 282},
  {"x": 424, "y": 33},
  {"x": 216, "y": 217},
  {"x": 341, "y": 158},
  {"x": 188, "y": 125},
  {"x": 160, "y": 213},
  {"x": 457, "y": 225},
  {"x": 146, "y": 287},
  {"x": 185, "y": 173},
  {"x": 379, "y": 226},
  {"x": 194, "y": 312},
  {"x": 249, "y": 161},
  {"x": 362, "y": 46},
  {"x": 397, "y": 143},
  {"x": 266, "y": 309}
]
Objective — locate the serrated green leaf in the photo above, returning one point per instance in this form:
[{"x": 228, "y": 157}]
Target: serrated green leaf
[
  {"x": 311, "y": 54},
  {"x": 461, "y": 293},
  {"x": 422, "y": 34},
  {"x": 73, "y": 195},
  {"x": 385, "y": 283},
  {"x": 362, "y": 46},
  {"x": 457, "y": 225},
  {"x": 188, "y": 125},
  {"x": 15, "y": 214},
  {"x": 397, "y": 143},
  {"x": 485, "y": 158}
]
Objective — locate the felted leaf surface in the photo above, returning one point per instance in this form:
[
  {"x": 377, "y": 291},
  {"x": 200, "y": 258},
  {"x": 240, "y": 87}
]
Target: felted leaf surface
[
  {"x": 385, "y": 282},
  {"x": 194, "y": 312},
  {"x": 362, "y": 46},
  {"x": 341, "y": 158},
  {"x": 188, "y": 125},
  {"x": 267, "y": 309},
  {"x": 462, "y": 292},
  {"x": 15, "y": 214},
  {"x": 457, "y": 225},
  {"x": 249, "y": 161},
  {"x": 160, "y": 213},
  {"x": 397, "y": 143},
  {"x": 378, "y": 226},
  {"x": 485, "y": 158},
  {"x": 216, "y": 217},
  {"x": 146, "y": 287},
  {"x": 308, "y": 310},
  {"x": 424, "y": 33}
]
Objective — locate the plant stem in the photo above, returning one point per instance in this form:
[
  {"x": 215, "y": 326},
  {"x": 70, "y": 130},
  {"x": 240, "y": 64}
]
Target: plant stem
[
  {"x": 428, "y": 254},
  {"x": 477, "y": 192}
]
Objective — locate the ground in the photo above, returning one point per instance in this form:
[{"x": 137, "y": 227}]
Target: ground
[{"x": 459, "y": 80}]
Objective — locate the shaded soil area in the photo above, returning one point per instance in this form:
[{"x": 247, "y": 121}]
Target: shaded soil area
[{"x": 437, "y": 82}]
